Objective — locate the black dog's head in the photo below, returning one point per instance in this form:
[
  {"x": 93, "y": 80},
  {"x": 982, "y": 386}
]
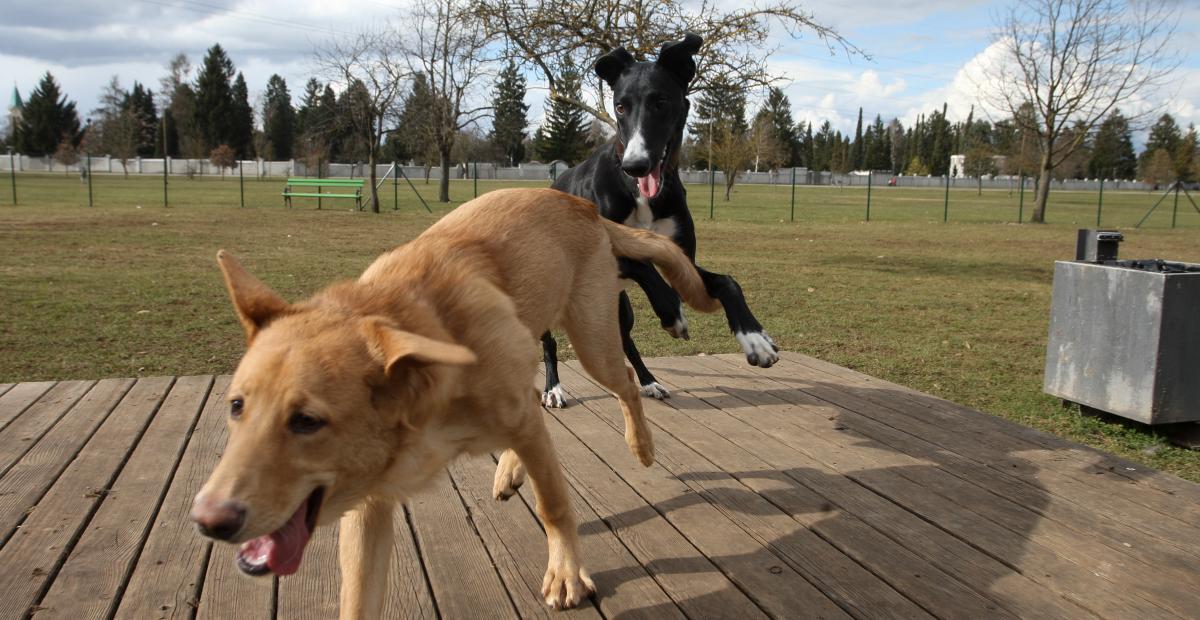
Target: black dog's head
[{"x": 650, "y": 99}]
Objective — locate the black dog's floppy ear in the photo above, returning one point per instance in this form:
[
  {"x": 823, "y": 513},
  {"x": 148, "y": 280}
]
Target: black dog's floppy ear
[
  {"x": 676, "y": 57},
  {"x": 613, "y": 64}
]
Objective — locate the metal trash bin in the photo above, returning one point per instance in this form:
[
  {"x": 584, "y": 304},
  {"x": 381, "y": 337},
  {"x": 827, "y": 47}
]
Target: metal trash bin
[{"x": 1125, "y": 334}]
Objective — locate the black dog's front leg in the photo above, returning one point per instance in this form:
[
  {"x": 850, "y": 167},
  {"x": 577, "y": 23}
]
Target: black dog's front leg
[
  {"x": 663, "y": 299},
  {"x": 760, "y": 350},
  {"x": 553, "y": 395},
  {"x": 650, "y": 385}
]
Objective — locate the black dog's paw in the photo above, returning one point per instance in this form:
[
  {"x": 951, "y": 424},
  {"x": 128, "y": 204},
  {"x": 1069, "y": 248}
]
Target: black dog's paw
[{"x": 760, "y": 350}]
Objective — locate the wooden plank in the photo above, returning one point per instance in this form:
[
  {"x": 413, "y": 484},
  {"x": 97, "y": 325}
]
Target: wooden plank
[
  {"x": 15, "y": 401},
  {"x": 167, "y": 578},
  {"x": 409, "y": 595},
  {"x": 92, "y": 579},
  {"x": 29, "y": 479},
  {"x": 800, "y": 485},
  {"x": 514, "y": 539},
  {"x": 1081, "y": 511},
  {"x": 731, "y": 511},
  {"x": 313, "y": 592},
  {"x": 23, "y": 433},
  {"x": 776, "y": 584},
  {"x": 1132, "y": 481},
  {"x": 228, "y": 593},
  {"x": 692, "y": 581},
  {"x": 33, "y": 555},
  {"x": 5, "y": 387},
  {"x": 884, "y": 471},
  {"x": 464, "y": 581}
]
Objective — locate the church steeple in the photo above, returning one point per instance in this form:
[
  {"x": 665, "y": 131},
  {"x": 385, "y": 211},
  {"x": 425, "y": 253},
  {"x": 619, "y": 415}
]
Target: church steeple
[{"x": 15, "y": 104}]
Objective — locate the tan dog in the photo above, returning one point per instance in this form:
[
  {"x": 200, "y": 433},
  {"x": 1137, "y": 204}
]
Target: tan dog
[{"x": 352, "y": 400}]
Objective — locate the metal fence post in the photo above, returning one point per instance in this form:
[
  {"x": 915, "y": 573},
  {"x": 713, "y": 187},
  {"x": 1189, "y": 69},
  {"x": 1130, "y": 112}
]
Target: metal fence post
[
  {"x": 475, "y": 178},
  {"x": 12, "y": 173},
  {"x": 88, "y": 156},
  {"x": 946, "y": 204},
  {"x": 166, "y": 169},
  {"x": 712, "y": 191},
  {"x": 869, "y": 175},
  {"x": 395, "y": 187},
  {"x": 1100, "y": 203},
  {"x": 793, "y": 193},
  {"x": 318, "y": 187},
  {"x": 1021, "y": 204},
  {"x": 1175, "y": 209},
  {"x": 242, "y": 184}
]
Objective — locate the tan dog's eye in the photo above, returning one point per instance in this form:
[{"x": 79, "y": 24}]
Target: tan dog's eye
[
  {"x": 235, "y": 408},
  {"x": 303, "y": 424}
]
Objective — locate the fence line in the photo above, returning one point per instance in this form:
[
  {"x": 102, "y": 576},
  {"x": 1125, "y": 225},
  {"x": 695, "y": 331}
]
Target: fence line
[{"x": 104, "y": 164}]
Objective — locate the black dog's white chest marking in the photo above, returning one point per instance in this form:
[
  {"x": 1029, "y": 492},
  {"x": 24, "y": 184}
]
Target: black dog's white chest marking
[{"x": 643, "y": 217}]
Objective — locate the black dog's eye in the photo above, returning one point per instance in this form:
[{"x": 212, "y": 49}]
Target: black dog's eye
[
  {"x": 303, "y": 424},
  {"x": 620, "y": 109},
  {"x": 235, "y": 408}
]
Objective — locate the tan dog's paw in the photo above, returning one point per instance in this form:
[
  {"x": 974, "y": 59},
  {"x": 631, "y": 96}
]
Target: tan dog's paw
[
  {"x": 565, "y": 586},
  {"x": 641, "y": 444},
  {"x": 510, "y": 475}
]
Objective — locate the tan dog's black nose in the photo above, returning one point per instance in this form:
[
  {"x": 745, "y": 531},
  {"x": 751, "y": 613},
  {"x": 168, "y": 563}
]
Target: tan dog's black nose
[{"x": 219, "y": 520}]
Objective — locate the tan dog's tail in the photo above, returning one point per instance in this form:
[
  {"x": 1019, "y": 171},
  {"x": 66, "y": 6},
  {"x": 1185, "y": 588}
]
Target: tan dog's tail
[{"x": 669, "y": 258}]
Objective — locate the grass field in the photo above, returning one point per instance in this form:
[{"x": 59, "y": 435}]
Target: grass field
[{"x": 129, "y": 288}]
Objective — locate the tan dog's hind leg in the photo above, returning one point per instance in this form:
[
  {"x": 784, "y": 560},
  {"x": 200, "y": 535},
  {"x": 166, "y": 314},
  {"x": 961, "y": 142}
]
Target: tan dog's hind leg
[
  {"x": 595, "y": 335},
  {"x": 364, "y": 550},
  {"x": 566, "y": 582},
  {"x": 510, "y": 475}
]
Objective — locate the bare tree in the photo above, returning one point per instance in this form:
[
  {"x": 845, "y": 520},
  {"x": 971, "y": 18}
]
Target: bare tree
[
  {"x": 118, "y": 128},
  {"x": 366, "y": 65},
  {"x": 554, "y": 34},
  {"x": 1075, "y": 61},
  {"x": 444, "y": 41}
]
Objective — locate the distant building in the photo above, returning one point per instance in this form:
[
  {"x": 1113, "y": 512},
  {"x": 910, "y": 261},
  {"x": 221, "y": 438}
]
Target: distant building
[{"x": 15, "y": 107}]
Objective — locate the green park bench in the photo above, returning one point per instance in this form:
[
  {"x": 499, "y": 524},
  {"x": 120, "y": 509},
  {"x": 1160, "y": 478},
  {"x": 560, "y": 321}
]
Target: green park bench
[{"x": 354, "y": 185}]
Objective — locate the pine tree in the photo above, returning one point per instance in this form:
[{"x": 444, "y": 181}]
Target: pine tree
[
  {"x": 857, "y": 148},
  {"x": 279, "y": 120},
  {"x": 215, "y": 115},
  {"x": 823, "y": 147},
  {"x": 783, "y": 128},
  {"x": 508, "y": 127},
  {"x": 415, "y": 140},
  {"x": 140, "y": 102},
  {"x": 308, "y": 105},
  {"x": 1164, "y": 136},
  {"x": 1112, "y": 151},
  {"x": 879, "y": 152},
  {"x": 241, "y": 129},
  {"x": 1186, "y": 157},
  {"x": 47, "y": 120},
  {"x": 939, "y": 154},
  {"x": 720, "y": 111},
  {"x": 565, "y": 133}
]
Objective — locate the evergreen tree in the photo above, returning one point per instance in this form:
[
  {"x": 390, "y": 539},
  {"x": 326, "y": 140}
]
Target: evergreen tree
[
  {"x": 878, "y": 155},
  {"x": 784, "y": 130},
  {"x": 308, "y": 105},
  {"x": 942, "y": 141},
  {"x": 1112, "y": 150},
  {"x": 508, "y": 126},
  {"x": 279, "y": 120},
  {"x": 803, "y": 134},
  {"x": 720, "y": 111},
  {"x": 415, "y": 133},
  {"x": 241, "y": 136},
  {"x": 47, "y": 120},
  {"x": 140, "y": 102},
  {"x": 216, "y": 118},
  {"x": 823, "y": 147},
  {"x": 857, "y": 148},
  {"x": 1187, "y": 160},
  {"x": 1164, "y": 136},
  {"x": 565, "y": 132}
]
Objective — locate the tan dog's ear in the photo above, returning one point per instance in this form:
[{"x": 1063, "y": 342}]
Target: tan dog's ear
[
  {"x": 255, "y": 302},
  {"x": 394, "y": 346}
]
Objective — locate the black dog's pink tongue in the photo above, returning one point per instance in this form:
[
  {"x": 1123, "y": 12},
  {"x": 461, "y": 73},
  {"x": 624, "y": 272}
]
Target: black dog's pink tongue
[
  {"x": 649, "y": 184},
  {"x": 282, "y": 548}
]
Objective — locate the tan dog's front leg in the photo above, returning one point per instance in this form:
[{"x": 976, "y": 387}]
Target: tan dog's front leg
[
  {"x": 364, "y": 550},
  {"x": 510, "y": 475},
  {"x": 566, "y": 582}
]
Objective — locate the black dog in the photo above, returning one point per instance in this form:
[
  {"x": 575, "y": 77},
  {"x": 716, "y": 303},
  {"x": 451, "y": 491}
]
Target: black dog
[{"x": 635, "y": 180}]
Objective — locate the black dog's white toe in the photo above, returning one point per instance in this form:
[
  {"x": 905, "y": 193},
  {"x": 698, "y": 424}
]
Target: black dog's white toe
[
  {"x": 760, "y": 350},
  {"x": 555, "y": 397},
  {"x": 655, "y": 390}
]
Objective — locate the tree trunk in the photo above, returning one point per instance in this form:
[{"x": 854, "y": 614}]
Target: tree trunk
[
  {"x": 980, "y": 192},
  {"x": 444, "y": 184},
  {"x": 729, "y": 181},
  {"x": 374, "y": 190},
  {"x": 1043, "y": 190}
]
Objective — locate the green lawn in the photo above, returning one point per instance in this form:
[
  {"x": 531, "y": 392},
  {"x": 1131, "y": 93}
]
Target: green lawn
[{"x": 129, "y": 288}]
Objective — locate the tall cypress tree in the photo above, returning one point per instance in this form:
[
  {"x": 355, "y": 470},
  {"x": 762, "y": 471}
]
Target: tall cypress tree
[
  {"x": 855, "y": 161},
  {"x": 241, "y": 129},
  {"x": 279, "y": 119},
  {"x": 47, "y": 119},
  {"x": 215, "y": 116},
  {"x": 1112, "y": 151},
  {"x": 565, "y": 133},
  {"x": 508, "y": 128}
]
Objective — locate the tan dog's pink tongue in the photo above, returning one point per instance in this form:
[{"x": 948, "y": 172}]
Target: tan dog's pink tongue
[{"x": 284, "y": 547}]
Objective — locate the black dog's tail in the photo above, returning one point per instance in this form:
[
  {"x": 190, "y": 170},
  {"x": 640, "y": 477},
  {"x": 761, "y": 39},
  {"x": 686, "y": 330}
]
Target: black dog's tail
[{"x": 680, "y": 272}]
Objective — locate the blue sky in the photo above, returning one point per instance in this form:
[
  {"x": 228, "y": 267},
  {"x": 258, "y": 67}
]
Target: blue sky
[{"x": 924, "y": 51}]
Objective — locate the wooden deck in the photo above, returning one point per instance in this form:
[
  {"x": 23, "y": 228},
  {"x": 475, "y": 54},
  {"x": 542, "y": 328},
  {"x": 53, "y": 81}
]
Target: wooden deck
[{"x": 806, "y": 490}]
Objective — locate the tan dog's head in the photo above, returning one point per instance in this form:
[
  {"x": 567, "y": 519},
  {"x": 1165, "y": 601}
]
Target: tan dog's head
[{"x": 319, "y": 408}]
